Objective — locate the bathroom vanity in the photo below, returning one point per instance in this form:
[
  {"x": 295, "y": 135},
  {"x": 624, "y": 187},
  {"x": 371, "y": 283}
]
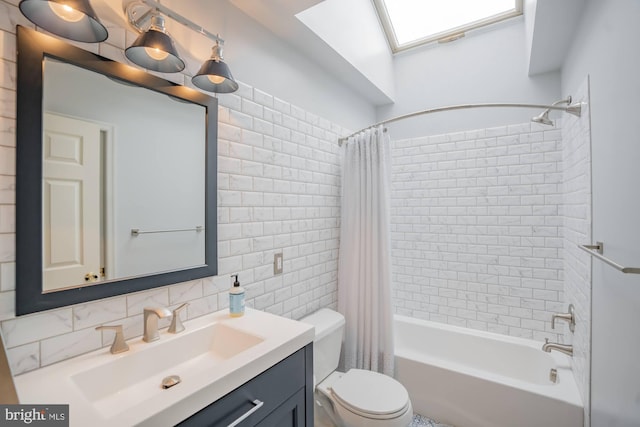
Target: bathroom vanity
[
  {"x": 275, "y": 398},
  {"x": 256, "y": 368}
]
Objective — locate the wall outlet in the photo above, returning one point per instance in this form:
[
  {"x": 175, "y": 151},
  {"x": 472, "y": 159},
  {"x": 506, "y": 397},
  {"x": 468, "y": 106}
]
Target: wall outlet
[{"x": 277, "y": 263}]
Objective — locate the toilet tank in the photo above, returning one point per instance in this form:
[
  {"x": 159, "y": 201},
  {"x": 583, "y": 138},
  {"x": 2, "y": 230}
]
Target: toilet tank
[{"x": 329, "y": 327}]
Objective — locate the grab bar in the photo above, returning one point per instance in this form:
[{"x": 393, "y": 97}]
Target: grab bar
[
  {"x": 137, "y": 231},
  {"x": 598, "y": 249}
]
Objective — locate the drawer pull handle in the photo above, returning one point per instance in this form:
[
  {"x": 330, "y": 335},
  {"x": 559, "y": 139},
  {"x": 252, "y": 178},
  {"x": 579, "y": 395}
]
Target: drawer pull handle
[{"x": 246, "y": 415}]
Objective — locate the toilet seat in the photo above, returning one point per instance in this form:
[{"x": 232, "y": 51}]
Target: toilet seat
[{"x": 370, "y": 394}]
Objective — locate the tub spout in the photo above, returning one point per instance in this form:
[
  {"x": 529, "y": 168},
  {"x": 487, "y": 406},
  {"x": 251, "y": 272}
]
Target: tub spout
[{"x": 562, "y": 348}]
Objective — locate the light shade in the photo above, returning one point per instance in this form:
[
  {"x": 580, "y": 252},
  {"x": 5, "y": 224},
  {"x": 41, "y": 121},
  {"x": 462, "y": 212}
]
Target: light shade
[
  {"x": 155, "y": 50},
  {"x": 71, "y": 19},
  {"x": 214, "y": 75}
]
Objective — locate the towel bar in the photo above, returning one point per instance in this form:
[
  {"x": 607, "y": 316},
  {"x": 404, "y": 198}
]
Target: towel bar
[
  {"x": 137, "y": 231},
  {"x": 598, "y": 249}
]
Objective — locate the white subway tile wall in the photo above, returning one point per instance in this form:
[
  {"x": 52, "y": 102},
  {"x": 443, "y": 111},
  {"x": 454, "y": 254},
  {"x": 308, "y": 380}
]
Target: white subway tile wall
[
  {"x": 278, "y": 191},
  {"x": 477, "y": 231},
  {"x": 576, "y": 158}
]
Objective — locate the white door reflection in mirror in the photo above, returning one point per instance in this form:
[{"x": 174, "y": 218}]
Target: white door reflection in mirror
[{"x": 72, "y": 194}]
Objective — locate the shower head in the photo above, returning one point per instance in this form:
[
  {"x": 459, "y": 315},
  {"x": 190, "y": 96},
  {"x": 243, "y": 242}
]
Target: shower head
[{"x": 543, "y": 118}]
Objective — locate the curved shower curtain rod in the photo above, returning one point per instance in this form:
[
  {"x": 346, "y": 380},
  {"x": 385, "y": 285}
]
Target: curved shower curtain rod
[{"x": 574, "y": 109}]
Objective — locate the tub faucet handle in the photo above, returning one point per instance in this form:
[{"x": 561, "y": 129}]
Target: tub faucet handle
[
  {"x": 569, "y": 317},
  {"x": 176, "y": 323}
]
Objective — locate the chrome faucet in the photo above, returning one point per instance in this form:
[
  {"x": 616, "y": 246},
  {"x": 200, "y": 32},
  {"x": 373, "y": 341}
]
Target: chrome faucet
[
  {"x": 562, "y": 348},
  {"x": 151, "y": 316}
]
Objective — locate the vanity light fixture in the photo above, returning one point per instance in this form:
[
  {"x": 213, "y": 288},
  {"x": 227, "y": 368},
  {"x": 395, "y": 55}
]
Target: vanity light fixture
[
  {"x": 154, "y": 49},
  {"x": 214, "y": 75},
  {"x": 71, "y": 19}
]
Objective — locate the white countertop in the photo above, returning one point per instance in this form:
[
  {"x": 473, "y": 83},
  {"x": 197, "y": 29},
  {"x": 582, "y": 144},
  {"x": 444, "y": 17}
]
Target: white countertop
[{"x": 55, "y": 384}]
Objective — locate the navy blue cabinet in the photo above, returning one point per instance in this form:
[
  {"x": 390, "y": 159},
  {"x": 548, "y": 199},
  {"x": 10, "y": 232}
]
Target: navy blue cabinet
[
  {"x": 281, "y": 396},
  {"x": 290, "y": 414}
]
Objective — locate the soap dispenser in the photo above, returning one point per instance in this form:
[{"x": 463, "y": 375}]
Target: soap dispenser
[{"x": 236, "y": 298}]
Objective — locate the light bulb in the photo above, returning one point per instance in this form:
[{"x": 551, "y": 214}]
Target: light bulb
[
  {"x": 156, "y": 53},
  {"x": 216, "y": 80},
  {"x": 66, "y": 12}
]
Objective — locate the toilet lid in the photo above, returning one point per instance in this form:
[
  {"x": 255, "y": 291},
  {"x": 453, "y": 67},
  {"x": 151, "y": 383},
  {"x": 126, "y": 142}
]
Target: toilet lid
[{"x": 370, "y": 392}]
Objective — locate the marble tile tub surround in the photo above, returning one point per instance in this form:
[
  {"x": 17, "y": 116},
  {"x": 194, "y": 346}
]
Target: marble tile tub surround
[
  {"x": 278, "y": 191},
  {"x": 477, "y": 229},
  {"x": 576, "y": 160}
]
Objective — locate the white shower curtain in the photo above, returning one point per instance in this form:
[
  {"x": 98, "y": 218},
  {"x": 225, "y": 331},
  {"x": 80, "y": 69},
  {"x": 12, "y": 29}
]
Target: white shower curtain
[{"x": 364, "y": 269}]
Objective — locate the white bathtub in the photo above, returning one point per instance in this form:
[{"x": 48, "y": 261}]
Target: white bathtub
[{"x": 472, "y": 378}]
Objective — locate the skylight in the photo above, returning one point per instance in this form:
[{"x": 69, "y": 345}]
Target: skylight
[{"x": 409, "y": 23}]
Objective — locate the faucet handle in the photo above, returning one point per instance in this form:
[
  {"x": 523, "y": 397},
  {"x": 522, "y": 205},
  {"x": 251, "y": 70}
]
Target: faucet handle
[
  {"x": 569, "y": 317},
  {"x": 176, "y": 323},
  {"x": 119, "y": 344}
]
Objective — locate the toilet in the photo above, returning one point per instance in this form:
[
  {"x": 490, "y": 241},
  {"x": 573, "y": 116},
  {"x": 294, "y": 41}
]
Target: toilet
[{"x": 357, "y": 398}]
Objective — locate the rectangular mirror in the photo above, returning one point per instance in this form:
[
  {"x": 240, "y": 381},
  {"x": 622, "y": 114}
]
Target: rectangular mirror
[{"x": 116, "y": 178}]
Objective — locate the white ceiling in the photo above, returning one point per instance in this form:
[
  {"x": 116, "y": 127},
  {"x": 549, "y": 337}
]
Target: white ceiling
[
  {"x": 349, "y": 44},
  {"x": 555, "y": 23},
  {"x": 346, "y": 39}
]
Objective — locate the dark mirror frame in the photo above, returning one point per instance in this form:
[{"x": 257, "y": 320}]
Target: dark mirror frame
[{"x": 32, "y": 48}]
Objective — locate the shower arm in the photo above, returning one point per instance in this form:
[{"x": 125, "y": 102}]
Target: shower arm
[{"x": 574, "y": 109}]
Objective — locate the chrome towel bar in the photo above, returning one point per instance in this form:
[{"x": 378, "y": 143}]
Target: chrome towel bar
[
  {"x": 137, "y": 231},
  {"x": 598, "y": 249}
]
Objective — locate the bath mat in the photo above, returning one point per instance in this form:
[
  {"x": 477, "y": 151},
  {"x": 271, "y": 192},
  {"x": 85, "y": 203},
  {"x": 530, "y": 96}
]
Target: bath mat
[{"x": 422, "y": 421}]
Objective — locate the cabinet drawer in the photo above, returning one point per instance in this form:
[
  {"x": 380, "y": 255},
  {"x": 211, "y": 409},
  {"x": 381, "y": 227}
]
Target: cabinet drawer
[
  {"x": 273, "y": 387},
  {"x": 289, "y": 414}
]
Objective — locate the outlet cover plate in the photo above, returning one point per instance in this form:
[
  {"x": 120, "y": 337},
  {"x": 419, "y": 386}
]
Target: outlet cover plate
[{"x": 277, "y": 263}]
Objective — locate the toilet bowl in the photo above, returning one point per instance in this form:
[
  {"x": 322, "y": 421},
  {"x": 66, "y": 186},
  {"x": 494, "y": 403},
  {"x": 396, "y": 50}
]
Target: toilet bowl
[
  {"x": 362, "y": 398},
  {"x": 357, "y": 398}
]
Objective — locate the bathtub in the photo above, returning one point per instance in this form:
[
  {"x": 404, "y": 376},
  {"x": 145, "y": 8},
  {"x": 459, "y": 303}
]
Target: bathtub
[{"x": 470, "y": 378}]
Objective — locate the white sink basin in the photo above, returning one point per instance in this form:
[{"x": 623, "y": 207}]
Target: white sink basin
[
  {"x": 126, "y": 381},
  {"x": 213, "y": 356}
]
